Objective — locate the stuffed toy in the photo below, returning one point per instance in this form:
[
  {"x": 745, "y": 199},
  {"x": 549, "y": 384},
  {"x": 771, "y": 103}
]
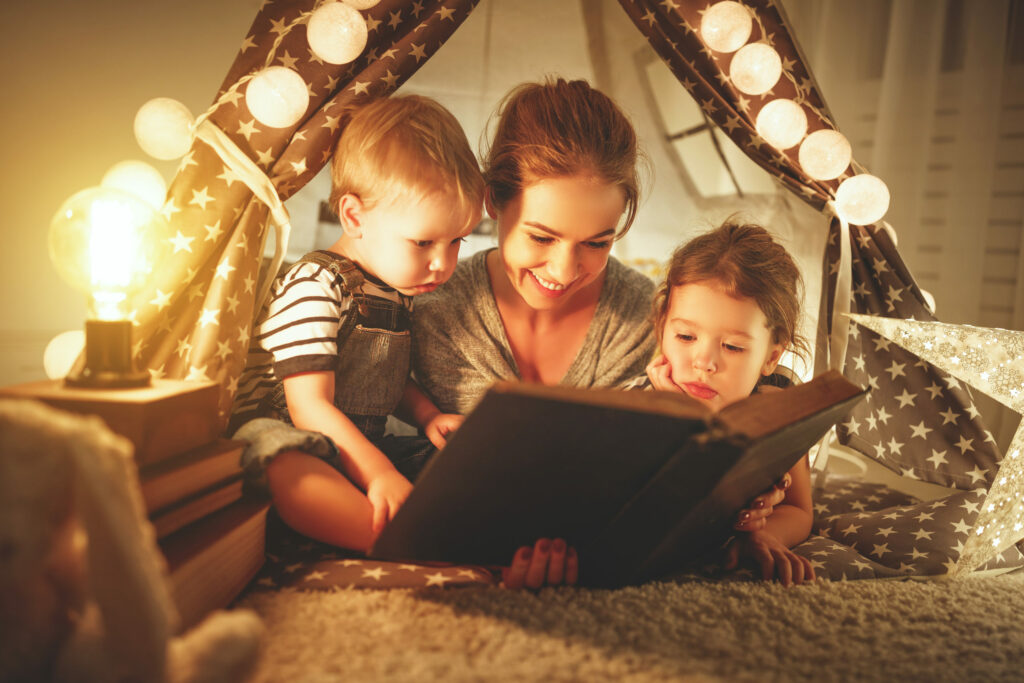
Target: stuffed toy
[{"x": 83, "y": 592}]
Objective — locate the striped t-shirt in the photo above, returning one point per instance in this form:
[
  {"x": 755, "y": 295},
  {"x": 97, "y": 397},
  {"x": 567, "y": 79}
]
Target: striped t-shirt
[{"x": 297, "y": 331}]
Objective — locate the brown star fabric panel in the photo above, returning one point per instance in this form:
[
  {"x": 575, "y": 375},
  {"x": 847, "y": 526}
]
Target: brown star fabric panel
[
  {"x": 917, "y": 420},
  {"x": 194, "y": 320},
  {"x": 671, "y": 27}
]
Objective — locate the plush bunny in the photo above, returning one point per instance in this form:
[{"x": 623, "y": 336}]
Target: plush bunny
[{"x": 83, "y": 592}]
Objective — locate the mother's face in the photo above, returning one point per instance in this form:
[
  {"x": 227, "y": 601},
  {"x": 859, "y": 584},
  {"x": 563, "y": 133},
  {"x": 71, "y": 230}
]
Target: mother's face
[{"x": 555, "y": 237}]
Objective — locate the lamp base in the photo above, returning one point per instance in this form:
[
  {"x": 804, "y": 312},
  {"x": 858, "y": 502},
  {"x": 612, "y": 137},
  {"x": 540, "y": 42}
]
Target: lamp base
[{"x": 108, "y": 358}]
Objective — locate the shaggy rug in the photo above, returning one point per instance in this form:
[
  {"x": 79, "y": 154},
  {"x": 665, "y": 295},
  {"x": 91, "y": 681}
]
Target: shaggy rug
[{"x": 871, "y": 630}]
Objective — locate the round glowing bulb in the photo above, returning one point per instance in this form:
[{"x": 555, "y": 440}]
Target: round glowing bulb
[
  {"x": 825, "y": 154},
  {"x": 137, "y": 178},
  {"x": 755, "y": 68},
  {"x": 862, "y": 199},
  {"x": 361, "y": 4},
  {"x": 62, "y": 352},
  {"x": 277, "y": 97},
  {"x": 337, "y": 32},
  {"x": 782, "y": 123},
  {"x": 104, "y": 242},
  {"x": 163, "y": 128},
  {"x": 929, "y": 300},
  {"x": 726, "y": 26}
]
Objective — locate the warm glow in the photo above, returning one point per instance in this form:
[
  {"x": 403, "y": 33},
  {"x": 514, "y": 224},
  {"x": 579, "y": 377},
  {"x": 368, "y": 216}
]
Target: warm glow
[
  {"x": 782, "y": 123},
  {"x": 137, "y": 178},
  {"x": 277, "y": 97},
  {"x": 102, "y": 243},
  {"x": 862, "y": 199},
  {"x": 336, "y": 33},
  {"x": 825, "y": 154},
  {"x": 361, "y": 4},
  {"x": 163, "y": 128},
  {"x": 726, "y": 26},
  {"x": 61, "y": 353},
  {"x": 755, "y": 68}
]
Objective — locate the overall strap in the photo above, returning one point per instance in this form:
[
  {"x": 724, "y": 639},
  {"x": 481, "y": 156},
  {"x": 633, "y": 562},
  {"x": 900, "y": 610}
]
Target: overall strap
[{"x": 351, "y": 277}]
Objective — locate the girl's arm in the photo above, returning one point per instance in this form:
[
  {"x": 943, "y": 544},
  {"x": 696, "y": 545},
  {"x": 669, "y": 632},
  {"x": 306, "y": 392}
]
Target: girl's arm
[{"x": 310, "y": 397}]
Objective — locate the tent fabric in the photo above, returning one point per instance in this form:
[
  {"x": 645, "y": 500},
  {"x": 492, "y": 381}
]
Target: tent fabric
[{"x": 194, "y": 320}]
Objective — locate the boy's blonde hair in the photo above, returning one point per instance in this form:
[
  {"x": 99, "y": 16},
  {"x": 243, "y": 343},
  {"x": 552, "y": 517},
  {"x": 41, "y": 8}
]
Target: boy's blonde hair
[{"x": 407, "y": 146}]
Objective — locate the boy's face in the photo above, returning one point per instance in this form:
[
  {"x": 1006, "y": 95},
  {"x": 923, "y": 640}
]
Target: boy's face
[
  {"x": 717, "y": 345},
  {"x": 412, "y": 245}
]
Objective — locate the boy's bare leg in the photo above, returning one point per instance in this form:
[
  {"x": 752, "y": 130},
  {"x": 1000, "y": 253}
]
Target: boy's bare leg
[{"x": 318, "y": 501}]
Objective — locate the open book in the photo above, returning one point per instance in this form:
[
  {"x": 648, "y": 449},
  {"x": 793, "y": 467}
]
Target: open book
[{"x": 638, "y": 482}]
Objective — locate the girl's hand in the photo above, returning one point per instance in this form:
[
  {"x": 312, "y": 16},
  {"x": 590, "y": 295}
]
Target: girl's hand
[
  {"x": 772, "y": 556},
  {"x": 386, "y": 493},
  {"x": 547, "y": 563},
  {"x": 660, "y": 374},
  {"x": 756, "y": 515},
  {"x": 439, "y": 427}
]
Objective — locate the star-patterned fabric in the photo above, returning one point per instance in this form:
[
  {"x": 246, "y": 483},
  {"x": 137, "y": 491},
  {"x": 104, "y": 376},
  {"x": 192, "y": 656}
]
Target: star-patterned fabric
[{"x": 195, "y": 317}]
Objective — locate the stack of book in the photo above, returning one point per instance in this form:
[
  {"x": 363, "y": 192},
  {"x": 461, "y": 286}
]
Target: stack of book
[{"x": 191, "y": 481}]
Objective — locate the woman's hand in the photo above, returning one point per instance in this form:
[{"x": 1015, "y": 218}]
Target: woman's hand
[
  {"x": 660, "y": 374},
  {"x": 772, "y": 556},
  {"x": 547, "y": 563},
  {"x": 754, "y": 517},
  {"x": 439, "y": 427},
  {"x": 386, "y": 493}
]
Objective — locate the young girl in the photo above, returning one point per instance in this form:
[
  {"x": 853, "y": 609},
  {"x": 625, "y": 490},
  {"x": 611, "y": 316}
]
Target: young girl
[{"x": 727, "y": 310}]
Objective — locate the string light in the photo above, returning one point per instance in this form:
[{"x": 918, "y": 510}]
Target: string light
[
  {"x": 825, "y": 154},
  {"x": 726, "y": 26},
  {"x": 862, "y": 199},
  {"x": 137, "y": 178},
  {"x": 336, "y": 32},
  {"x": 782, "y": 123},
  {"x": 277, "y": 96},
  {"x": 755, "y": 69},
  {"x": 163, "y": 128}
]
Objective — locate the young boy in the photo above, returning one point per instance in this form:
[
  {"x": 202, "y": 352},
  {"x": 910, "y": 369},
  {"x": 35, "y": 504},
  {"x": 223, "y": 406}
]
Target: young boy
[{"x": 330, "y": 356}]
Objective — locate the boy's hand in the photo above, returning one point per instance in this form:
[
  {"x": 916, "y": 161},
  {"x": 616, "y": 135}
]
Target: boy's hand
[
  {"x": 439, "y": 427},
  {"x": 772, "y": 556},
  {"x": 547, "y": 563},
  {"x": 660, "y": 374},
  {"x": 386, "y": 493},
  {"x": 755, "y": 516}
]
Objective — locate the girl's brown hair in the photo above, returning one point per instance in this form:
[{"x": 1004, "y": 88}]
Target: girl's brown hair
[
  {"x": 748, "y": 263},
  {"x": 560, "y": 128}
]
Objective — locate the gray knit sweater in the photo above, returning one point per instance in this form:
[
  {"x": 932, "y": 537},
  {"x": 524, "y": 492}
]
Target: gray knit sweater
[{"x": 460, "y": 347}]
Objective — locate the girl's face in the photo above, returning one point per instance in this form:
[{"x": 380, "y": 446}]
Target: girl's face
[
  {"x": 717, "y": 345},
  {"x": 555, "y": 237}
]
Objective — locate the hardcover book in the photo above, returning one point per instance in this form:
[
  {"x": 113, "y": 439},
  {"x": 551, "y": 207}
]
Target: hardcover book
[
  {"x": 638, "y": 482},
  {"x": 174, "y": 479}
]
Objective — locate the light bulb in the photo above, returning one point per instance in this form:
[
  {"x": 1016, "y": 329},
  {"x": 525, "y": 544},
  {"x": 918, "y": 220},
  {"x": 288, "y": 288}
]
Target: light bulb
[
  {"x": 782, "y": 123},
  {"x": 103, "y": 243},
  {"x": 277, "y": 97},
  {"x": 862, "y": 199},
  {"x": 755, "y": 69},
  {"x": 61, "y": 353},
  {"x": 726, "y": 26},
  {"x": 163, "y": 128},
  {"x": 825, "y": 154},
  {"x": 336, "y": 32},
  {"x": 137, "y": 178}
]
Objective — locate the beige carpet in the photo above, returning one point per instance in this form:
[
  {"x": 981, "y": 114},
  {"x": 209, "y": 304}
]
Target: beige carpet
[{"x": 892, "y": 630}]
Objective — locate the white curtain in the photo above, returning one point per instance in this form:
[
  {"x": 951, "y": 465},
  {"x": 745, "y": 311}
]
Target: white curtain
[{"x": 931, "y": 98}]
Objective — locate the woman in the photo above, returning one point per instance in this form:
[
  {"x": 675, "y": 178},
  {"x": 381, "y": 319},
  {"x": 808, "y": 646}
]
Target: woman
[{"x": 550, "y": 304}]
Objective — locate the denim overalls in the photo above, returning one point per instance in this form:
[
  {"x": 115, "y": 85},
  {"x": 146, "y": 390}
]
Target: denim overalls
[{"x": 374, "y": 347}]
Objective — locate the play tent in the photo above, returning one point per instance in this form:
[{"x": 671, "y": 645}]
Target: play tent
[{"x": 248, "y": 157}]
